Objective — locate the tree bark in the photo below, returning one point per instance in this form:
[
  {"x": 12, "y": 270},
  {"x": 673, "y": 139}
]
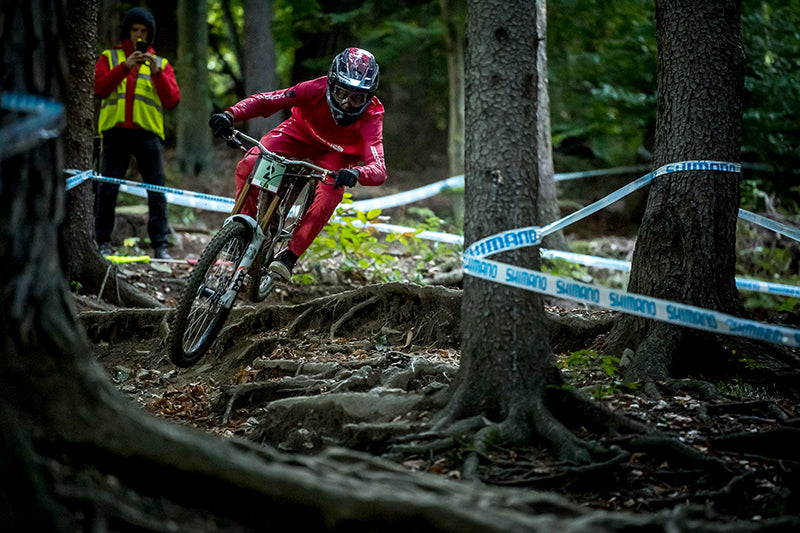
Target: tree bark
[
  {"x": 194, "y": 137},
  {"x": 453, "y": 20},
  {"x": 685, "y": 249},
  {"x": 507, "y": 364},
  {"x": 260, "y": 60}
]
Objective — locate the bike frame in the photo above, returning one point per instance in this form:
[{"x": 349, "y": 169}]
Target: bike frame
[{"x": 258, "y": 227}]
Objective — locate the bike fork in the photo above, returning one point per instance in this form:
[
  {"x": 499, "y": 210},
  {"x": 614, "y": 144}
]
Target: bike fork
[{"x": 244, "y": 266}]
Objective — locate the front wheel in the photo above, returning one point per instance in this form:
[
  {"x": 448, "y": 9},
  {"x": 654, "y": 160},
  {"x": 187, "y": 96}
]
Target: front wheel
[{"x": 200, "y": 316}]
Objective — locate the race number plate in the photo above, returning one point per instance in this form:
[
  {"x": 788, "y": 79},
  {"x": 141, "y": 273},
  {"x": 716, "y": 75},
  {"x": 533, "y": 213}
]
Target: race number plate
[{"x": 268, "y": 174}]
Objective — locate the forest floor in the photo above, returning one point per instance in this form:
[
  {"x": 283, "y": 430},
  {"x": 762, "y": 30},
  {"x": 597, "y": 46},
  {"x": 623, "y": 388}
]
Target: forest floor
[
  {"x": 267, "y": 356},
  {"x": 296, "y": 347}
]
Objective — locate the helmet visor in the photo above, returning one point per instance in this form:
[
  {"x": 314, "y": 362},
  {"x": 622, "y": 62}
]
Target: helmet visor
[{"x": 355, "y": 99}]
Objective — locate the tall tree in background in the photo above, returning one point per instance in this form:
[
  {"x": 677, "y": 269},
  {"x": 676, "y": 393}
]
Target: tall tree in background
[
  {"x": 547, "y": 207},
  {"x": 82, "y": 262},
  {"x": 507, "y": 373},
  {"x": 453, "y": 13},
  {"x": 260, "y": 60},
  {"x": 193, "y": 137},
  {"x": 685, "y": 248}
]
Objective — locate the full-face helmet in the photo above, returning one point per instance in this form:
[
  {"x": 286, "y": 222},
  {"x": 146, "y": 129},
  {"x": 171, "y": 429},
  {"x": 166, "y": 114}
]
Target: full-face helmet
[{"x": 352, "y": 81}]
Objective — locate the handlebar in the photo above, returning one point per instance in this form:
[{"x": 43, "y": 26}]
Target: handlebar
[{"x": 234, "y": 142}]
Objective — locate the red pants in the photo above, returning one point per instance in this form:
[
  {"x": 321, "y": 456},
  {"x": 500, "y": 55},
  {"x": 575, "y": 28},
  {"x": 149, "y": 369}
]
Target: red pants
[{"x": 288, "y": 140}]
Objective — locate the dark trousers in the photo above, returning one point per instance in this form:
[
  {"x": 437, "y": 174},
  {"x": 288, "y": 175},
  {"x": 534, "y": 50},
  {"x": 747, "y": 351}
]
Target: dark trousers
[{"x": 119, "y": 144}]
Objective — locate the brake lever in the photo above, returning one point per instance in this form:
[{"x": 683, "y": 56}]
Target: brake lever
[{"x": 234, "y": 142}]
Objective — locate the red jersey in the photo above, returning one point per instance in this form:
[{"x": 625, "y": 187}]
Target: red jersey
[{"x": 310, "y": 112}]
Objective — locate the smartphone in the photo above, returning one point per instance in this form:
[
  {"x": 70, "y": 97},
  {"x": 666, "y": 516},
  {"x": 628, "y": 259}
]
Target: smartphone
[{"x": 141, "y": 46}]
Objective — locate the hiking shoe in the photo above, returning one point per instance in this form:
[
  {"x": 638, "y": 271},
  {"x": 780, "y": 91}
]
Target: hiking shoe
[
  {"x": 283, "y": 264},
  {"x": 105, "y": 249},
  {"x": 161, "y": 252}
]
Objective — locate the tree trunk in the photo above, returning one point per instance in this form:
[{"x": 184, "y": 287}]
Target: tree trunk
[
  {"x": 547, "y": 201},
  {"x": 685, "y": 249},
  {"x": 453, "y": 20},
  {"x": 260, "y": 60},
  {"x": 507, "y": 365},
  {"x": 81, "y": 256},
  {"x": 194, "y": 136},
  {"x": 109, "y": 21}
]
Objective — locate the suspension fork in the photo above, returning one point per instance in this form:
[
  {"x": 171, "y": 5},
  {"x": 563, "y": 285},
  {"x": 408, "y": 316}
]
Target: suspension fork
[{"x": 266, "y": 218}]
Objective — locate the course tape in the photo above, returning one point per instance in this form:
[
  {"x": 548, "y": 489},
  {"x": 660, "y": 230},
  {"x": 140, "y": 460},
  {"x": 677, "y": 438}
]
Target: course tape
[
  {"x": 209, "y": 202},
  {"x": 224, "y": 205},
  {"x": 475, "y": 264},
  {"x": 644, "y": 306},
  {"x": 768, "y": 223},
  {"x": 533, "y": 235},
  {"x": 45, "y": 122},
  {"x": 457, "y": 182},
  {"x": 777, "y": 289}
]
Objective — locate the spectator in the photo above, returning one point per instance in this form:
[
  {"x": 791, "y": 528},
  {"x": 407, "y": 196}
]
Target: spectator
[{"x": 135, "y": 87}]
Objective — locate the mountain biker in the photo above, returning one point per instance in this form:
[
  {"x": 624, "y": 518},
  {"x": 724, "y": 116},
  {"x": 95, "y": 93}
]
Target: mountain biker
[{"x": 336, "y": 122}]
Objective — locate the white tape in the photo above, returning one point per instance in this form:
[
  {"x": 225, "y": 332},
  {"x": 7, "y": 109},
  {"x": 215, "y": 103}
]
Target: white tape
[
  {"x": 526, "y": 235},
  {"x": 476, "y": 265},
  {"x": 645, "y": 306}
]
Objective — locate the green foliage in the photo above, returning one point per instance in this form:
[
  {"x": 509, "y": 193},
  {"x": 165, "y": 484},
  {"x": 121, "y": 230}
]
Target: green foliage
[
  {"x": 589, "y": 366},
  {"x": 739, "y": 389},
  {"x": 359, "y": 246},
  {"x": 425, "y": 251},
  {"x": 772, "y": 83},
  {"x": 588, "y": 358},
  {"x": 602, "y": 68},
  {"x": 761, "y": 256},
  {"x": 561, "y": 267}
]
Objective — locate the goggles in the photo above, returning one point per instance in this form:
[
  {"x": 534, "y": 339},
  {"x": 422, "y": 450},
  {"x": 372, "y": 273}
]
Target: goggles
[{"x": 355, "y": 99}]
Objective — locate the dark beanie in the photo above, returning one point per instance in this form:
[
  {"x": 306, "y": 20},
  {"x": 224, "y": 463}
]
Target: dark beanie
[{"x": 139, "y": 15}]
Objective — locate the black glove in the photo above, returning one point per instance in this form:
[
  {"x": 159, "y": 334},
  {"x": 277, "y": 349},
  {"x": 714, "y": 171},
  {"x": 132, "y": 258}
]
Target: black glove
[
  {"x": 346, "y": 177},
  {"x": 221, "y": 124}
]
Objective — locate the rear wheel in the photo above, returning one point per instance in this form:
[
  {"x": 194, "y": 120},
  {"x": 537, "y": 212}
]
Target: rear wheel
[{"x": 200, "y": 315}]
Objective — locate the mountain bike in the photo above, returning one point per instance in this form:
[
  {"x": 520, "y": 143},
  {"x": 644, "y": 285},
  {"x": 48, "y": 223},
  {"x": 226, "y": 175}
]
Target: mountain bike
[{"x": 236, "y": 259}]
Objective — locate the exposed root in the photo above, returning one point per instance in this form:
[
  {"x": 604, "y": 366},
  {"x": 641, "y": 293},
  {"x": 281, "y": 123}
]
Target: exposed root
[
  {"x": 524, "y": 474},
  {"x": 350, "y": 313}
]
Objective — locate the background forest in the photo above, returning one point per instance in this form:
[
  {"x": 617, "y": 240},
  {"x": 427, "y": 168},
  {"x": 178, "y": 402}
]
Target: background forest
[
  {"x": 601, "y": 58},
  {"x": 602, "y": 83}
]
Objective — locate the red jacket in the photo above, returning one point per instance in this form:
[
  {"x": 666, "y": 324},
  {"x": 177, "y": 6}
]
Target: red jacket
[
  {"x": 106, "y": 79},
  {"x": 310, "y": 111}
]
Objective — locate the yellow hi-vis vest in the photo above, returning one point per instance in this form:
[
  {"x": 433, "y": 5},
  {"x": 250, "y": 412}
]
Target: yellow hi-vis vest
[{"x": 147, "y": 109}]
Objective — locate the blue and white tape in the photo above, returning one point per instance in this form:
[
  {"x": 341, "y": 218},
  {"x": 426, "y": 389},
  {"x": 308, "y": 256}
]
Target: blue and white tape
[
  {"x": 768, "y": 223},
  {"x": 209, "y": 202},
  {"x": 533, "y": 235},
  {"x": 475, "y": 264},
  {"x": 522, "y": 237},
  {"x": 645, "y": 306},
  {"x": 45, "y": 122}
]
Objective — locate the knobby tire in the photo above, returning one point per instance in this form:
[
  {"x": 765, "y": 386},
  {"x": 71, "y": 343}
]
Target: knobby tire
[{"x": 199, "y": 316}]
